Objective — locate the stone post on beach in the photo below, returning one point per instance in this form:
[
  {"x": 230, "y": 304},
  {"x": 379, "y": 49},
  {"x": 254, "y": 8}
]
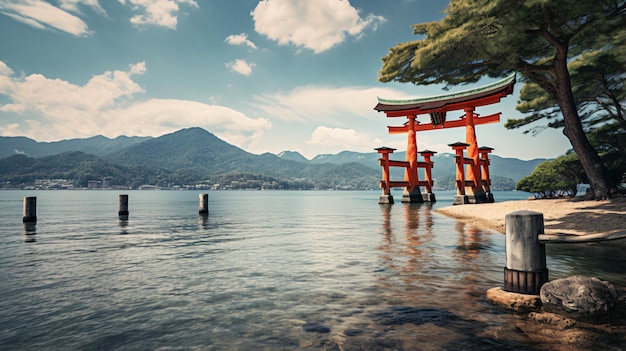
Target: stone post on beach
[
  {"x": 204, "y": 204},
  {"x": 30, "y": 210},
  {"x": 525, "y": 270},
  {"x": 123, "y": 211}
]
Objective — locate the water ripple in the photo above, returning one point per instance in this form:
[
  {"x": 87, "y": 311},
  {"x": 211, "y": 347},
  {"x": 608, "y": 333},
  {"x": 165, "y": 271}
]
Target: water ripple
[{"x": 264, "y": 271}]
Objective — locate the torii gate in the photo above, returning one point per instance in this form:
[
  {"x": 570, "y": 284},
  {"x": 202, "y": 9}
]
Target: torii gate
[{"x": 474, "y": 189}]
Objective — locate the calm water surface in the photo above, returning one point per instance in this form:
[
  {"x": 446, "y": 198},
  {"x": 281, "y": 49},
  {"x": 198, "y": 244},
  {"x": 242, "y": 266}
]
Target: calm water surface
[{"x": 273, "y": 270}]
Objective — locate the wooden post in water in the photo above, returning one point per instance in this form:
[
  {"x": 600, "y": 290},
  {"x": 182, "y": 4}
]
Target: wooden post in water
[
  {"x": 123, "y": 212},
  {"x": 525, "y": 270},
  {"x": 30, "y": 210},
  {"x": 204, "y": 204}
]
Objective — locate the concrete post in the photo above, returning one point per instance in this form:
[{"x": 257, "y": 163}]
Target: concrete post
[
  {"x": 204, "y": 204},
  {"x": 30, "y": 210},
  {"x": 123, "y": 211},
  {"x": 525, "y": 270}
]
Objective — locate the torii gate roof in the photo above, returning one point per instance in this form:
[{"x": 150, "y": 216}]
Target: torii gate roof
[{"x": 485, "y": 95}]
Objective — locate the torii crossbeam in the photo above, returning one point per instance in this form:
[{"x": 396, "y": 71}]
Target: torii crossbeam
[{"x": 476, "y": 188}]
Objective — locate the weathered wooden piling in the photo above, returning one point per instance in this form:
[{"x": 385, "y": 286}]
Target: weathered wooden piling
[
  {"x": 123, "y": 211},
  {"x": 204, "y": 204},
  {"x": 30, "y": 210},
  {"x": 525, "y": 270}
]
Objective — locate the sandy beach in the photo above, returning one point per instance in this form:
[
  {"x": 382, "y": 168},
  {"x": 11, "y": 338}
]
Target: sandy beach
[{"x": 561, "y": 216}]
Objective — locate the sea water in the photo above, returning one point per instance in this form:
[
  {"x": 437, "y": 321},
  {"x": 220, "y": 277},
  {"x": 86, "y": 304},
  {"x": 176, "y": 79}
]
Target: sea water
[{"x": 265, "y": 270}]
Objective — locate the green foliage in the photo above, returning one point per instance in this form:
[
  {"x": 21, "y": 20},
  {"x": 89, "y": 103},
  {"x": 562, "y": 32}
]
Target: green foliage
[
  {"x": 537, "y": 38},
  {"x": 502, "y": 183},
  {"x": 559, "y": 177},
  {"x": 20, "y": 170},
  {"x": 610, "y": 141},
  {"x": 81, "y": 168},
  {"x": 598, "y": 84},
  {"x": 494, "y": 37},
  {"x": 498, "y": 183},
  {"x": 556, "y": 178},
  {"x": 242, "y": 181}
]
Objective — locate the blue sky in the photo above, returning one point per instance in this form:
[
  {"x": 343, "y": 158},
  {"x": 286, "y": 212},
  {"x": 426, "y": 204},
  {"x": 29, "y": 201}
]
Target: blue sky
[{"x": 267, "y": 76}]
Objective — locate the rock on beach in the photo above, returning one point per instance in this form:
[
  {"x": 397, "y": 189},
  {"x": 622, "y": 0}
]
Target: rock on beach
[{"x": 578, "y": 297}]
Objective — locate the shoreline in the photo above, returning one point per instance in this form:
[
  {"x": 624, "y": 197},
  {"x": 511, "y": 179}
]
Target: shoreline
[{"x": 566, "y": 216}]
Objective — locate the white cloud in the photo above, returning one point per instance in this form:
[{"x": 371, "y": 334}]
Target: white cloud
[
  {"x": 315, "y": 25},
  {"x": 325, "y": 105},
  {"x": 55, "y": 97},
  {"x": 241, "y": 66},
  {"x": 5, "y": 70},
  {"x": 339, "y": 139},
  {"x": 156, "y": 116},
  {"x": 42, "y": 15},
  {"x": 343, "y": 139},
  {"x": 72, "y": 5},
  {"x": 138, "y": 68},
  {"x": 52, "y": 109},
  {"x": 240, "y": 39},
  {"x": 162, "y": 13},
  {"x": 343, "y": 118}
]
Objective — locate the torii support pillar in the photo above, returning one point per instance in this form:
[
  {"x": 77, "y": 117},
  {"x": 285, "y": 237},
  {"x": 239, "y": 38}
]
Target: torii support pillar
[
  {"x": 428, "y": 165},
  {"x": 460, "y": 198},
  {"x": 385, "y": 184},
  {"x": 474, "y": 190},
  {"x": 469, "y": 190},
  {"x": 484, "y": 166},
  {"x": 412, "y": 191}
]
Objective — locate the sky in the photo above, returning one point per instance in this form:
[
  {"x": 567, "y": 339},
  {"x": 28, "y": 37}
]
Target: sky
[{"x": 266, "y": 76}]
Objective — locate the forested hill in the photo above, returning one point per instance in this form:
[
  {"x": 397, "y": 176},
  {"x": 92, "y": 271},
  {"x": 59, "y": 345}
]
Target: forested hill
[
  {"x": 194, "y": 155},
  {"x": 97, "y": 145}
]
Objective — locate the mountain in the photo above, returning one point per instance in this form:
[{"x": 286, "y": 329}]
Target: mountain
[
  {"x": 191, "y": 148},
  {"x": 293, "y": 156},
  {"x": 81, "y": 168},
  {"x": 369, "y": 159},
  {"x": 512, "y": 168},
  {"x": 97, "y": 145},
  {"x": 191, "y": 155},
  {"x": 187, "y": 156},
  {"x": 199, "y": 151}
]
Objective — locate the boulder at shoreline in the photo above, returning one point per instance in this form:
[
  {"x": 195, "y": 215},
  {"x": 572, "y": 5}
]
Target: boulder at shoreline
[{"x": 578, "y": 297}]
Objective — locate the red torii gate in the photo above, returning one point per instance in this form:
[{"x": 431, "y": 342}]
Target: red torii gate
[{"x": 474, "y": 189}]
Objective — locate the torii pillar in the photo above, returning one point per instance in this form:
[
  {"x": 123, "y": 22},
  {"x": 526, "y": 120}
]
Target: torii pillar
[
  {"x": 474, "y": 191},
  {"x": 385, "y": 184},
  {"x": 412, "y": 192}
]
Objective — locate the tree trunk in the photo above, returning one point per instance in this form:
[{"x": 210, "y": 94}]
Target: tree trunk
[{"x": 573, "y": 130}]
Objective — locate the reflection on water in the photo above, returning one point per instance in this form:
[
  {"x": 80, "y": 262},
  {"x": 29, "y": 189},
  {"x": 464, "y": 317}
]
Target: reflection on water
[
  {"x": 265, "y": 271},
  {"x": 30, "y": 229},
  {"x": 570, "y": 259},
  {"x": 123, "y": 226}
]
